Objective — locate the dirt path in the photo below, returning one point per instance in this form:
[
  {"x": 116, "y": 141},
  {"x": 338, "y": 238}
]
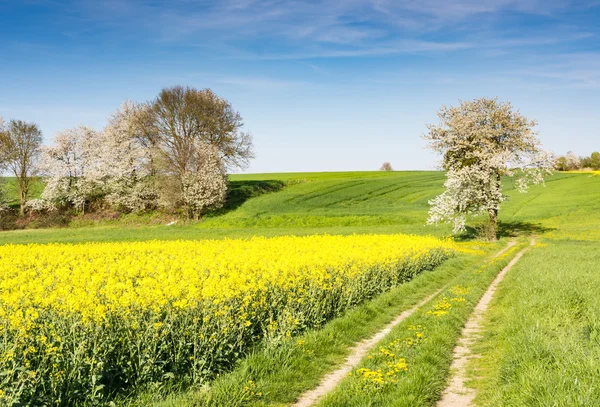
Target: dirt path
[
  {"x": 331, "y": 380},
  {"x": 457, "y": 394},
  {"x": 508, "y": 246}
]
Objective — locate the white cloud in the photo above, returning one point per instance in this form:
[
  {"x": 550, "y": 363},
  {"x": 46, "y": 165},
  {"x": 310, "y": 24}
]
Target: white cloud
[
  {"x": 581, "y": 70},
  {"x": 296, "y": 29}
]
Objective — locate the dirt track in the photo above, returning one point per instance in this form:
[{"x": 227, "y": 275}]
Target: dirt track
[
  {"x": 457, "y": 394},
  {"x": 331, "y": 380}
]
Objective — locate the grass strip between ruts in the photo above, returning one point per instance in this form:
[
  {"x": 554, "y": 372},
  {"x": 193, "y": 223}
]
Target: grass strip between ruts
[
  {"x": 277, "y": 374},
  {"x": 411, "y": 366}
]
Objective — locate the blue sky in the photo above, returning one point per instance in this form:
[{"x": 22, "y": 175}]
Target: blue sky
[{"x": 322, "y": 85}]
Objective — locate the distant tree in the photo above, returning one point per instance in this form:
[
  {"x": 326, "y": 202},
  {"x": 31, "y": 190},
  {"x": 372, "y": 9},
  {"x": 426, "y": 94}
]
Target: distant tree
[
  {"x": 204, "y": 185},
  {"x": 20, "y": 145},
  {"x": 178, "y": 128},
  {"x": 72, "y": 168},
  {"x": 386, "y": 166},
  {"x": 481, "y": 141},
  {"x": 125, "y": 161},
  {"x": 585, "y": 162},
  {"x": 3, "y": 131},
  {"x": 595, "y": 160},
  {"x": 561, "y": 164},
  {"x": 180, "y": 119},
  {"x": 573, "y": 162}
]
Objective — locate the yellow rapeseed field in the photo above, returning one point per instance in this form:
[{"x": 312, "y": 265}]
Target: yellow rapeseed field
[{"x": 79, "y": 322}]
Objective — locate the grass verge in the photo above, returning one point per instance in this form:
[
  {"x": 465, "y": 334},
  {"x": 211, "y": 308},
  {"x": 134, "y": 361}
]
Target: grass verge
[
  {"x": 541, "y": 338},
  {"x": 411, "y": 366},
  {"x": 276, "y": 374}
]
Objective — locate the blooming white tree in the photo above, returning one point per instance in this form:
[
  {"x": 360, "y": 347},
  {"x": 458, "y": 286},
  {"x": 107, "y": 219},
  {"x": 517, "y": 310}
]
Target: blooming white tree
[
  {"x": 481, "y": 141},
  {"x": 386, "y": 166},
  {"x": 204, "y": 185},
  {"x": 573, "y": 162},
  {"x": 125, "y": 163},
  {"x": 72, "y": 167},
  {"x": 139, "y": 174},
  {"x": 171, "y": 153},
  {"x": 193, "y": 136}
]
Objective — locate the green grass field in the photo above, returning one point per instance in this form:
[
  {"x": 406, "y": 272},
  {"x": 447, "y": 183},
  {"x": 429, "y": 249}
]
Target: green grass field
[
  {"x": 541, "y": 345},
  {"x": 341, "y": 203},
  {"x": 541, "y": 337},
  {"x": 345, "y": 203}
]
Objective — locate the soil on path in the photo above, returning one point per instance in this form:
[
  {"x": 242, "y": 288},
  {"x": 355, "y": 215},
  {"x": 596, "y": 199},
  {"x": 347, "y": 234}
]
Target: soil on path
[
  {"x": 457, "y": 394},
  {"x": 331, "y": 380}
]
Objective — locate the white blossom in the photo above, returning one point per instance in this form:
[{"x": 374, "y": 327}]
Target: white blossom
[
  {"x": 120, "y": 166},
  {"x": 481, "y": 141},
  {"x": 72, "y": 168},
  {"x": 125, "y": 162},
  {"x": 205, "y": 186},
  {"x": 38, "y": 205},
  {"x": 573, "y": 162}
]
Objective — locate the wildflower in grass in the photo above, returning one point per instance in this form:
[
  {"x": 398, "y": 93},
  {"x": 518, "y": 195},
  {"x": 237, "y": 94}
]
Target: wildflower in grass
[
  {"x": 440, "y": 308},
  {"x": 377, "y": 379},
  {"x": 418, "y": 335},
  {"x": 459, "y": 290},
  {"x": 371, "y": 377},
  {"x": 397, "y": 367},
  {"x": 386, "y": 352},
  {"x": 250, "y": 386}
]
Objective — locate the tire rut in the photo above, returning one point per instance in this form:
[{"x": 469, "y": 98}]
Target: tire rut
[
  {"x": 457, "y": 394},
  {"x": 332, "y": 379}
]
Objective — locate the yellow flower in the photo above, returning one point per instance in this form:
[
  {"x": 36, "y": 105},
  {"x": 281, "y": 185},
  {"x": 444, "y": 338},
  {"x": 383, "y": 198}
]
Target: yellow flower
[{"x": 219, "y": 293}]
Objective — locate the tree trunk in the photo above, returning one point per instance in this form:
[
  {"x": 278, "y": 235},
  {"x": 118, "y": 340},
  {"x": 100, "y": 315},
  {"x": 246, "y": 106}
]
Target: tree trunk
[
  {"x": 23, "y": 196},
  {"x": 493, "y": 224},
  {"x": 23, "y": 193},
  {"x": 494, "y": 211}
]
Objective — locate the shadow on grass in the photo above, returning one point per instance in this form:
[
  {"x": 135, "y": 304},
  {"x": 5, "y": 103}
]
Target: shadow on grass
[
  {"x": 514, "y": 229},
  {"x": 240, "y": 191},
  {"x": 507, "y": 229}
]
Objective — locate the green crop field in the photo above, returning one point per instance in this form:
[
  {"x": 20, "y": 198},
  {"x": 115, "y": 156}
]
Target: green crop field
[
  {"x": 346, "y": 203},
  {"x": 540, "y": 339},
  {"x": 352, "y": 202}
]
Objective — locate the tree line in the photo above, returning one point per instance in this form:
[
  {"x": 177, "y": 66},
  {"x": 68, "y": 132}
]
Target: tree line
[
  {"x": 571, "y": 162},
  {"x": 171, "y": 153}
]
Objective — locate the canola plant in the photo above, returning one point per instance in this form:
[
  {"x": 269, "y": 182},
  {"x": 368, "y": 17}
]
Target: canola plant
[{"x": 79, "y": 323}]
